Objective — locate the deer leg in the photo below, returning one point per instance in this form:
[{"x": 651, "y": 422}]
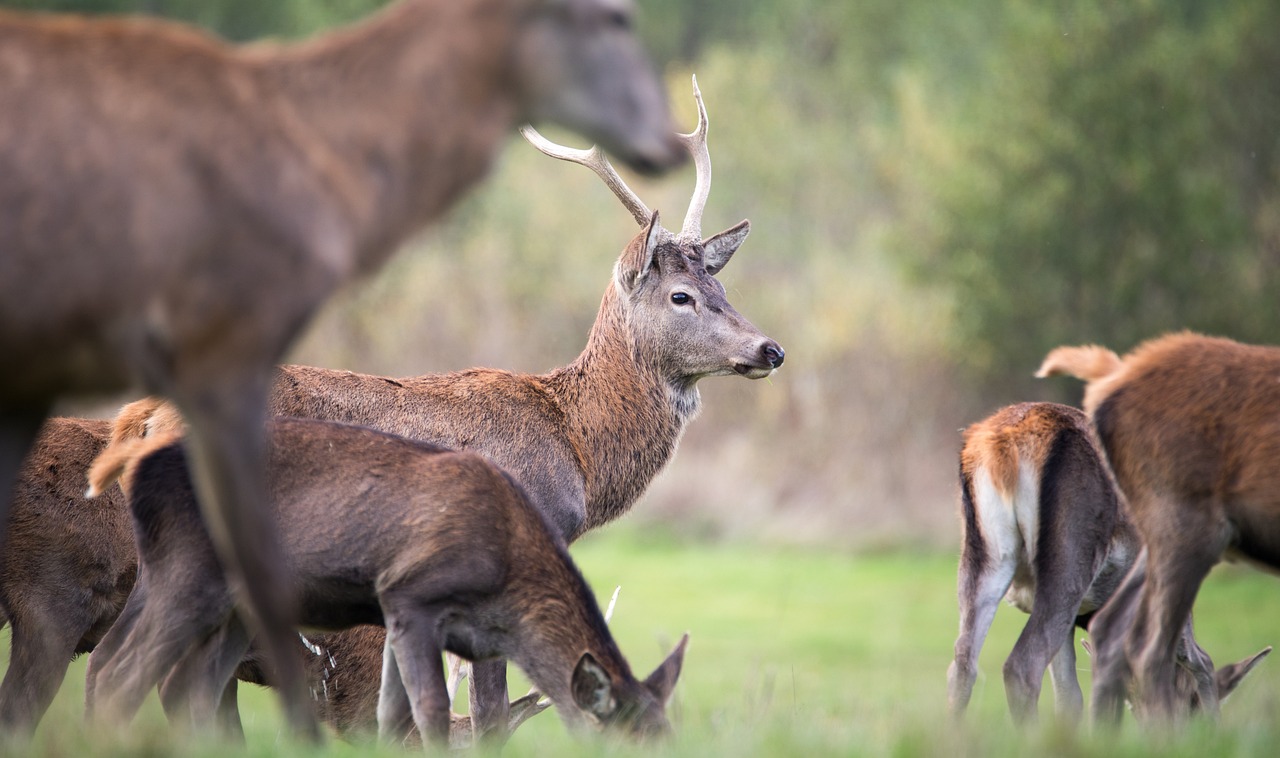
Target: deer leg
[
  {"x": 194, "y": 691},
  {"x": 112, "y": 642},
  {"x": 980, "y": 591},
  {"x": 411, "y": 636},
  {"x": 226, "y": 448},
  {"x": 1108, "y": 630},
  {"x": 18, "y": 429},
  {"x": 1175, "y": 572},
  {"x": 490, "y": 709},
  {"x": 42, "y": 645},
  {"x": 1067, "y": 696},
  {"x": 395, "y": 715}
]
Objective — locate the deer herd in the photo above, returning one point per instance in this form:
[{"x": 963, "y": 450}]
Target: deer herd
[{"x": 174, "y": 208}]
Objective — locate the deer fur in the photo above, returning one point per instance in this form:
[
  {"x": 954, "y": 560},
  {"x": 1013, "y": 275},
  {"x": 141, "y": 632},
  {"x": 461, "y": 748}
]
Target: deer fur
[
  {"x": 174, "y": 208},
  {"x": 1044, "y": 528},
  {"x": 441, "y": 547},
  {"x": 584, "y": 440},
  {"x": 1191, "y": 429},
  {"x": 68, "y": 567}
]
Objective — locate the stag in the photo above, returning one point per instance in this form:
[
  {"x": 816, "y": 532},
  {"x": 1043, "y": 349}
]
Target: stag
[
  {"x": 441, "y": 547},
  {"x": 1190, "y": 428},
  {"x": 1044, "y": 528},
  {"x": 174, "y": 208},
  {"x": 584, "y": 440}
]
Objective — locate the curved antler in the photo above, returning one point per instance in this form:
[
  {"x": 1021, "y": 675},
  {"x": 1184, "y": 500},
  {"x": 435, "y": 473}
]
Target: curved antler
[
  {"x": 595, "y": 160},
  {"x": 696, "y": 143}
]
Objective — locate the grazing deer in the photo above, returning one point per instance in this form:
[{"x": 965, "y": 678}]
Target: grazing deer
[
  {"x": 584, "y": 440},
  {"x": 1044, "y": 528},
  {"x": 174, "y": 208},
  {"x": 68, "y": 566},
  {"x": 1191, "y": 429},
  {"x": 441, "y": 547}
]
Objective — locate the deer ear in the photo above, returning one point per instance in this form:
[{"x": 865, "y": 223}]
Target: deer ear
[
  {"x": 663, "y": 679},
  {"x": 718, "y": 249},
  {"x": 637, "y": 259},
  {"x": 592, "y": 688},
  {"x": 1227, "y": 678}
]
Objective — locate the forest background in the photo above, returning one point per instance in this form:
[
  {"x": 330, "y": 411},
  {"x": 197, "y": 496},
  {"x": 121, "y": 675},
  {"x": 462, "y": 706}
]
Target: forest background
[{"x": 939, "y": 194}]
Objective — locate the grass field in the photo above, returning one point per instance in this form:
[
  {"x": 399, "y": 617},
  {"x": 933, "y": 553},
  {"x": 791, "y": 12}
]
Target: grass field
[{"x": 797, "y": 652}]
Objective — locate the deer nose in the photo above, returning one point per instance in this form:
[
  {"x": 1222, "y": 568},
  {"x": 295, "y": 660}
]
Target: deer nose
[{"x": 773, "y": 353}]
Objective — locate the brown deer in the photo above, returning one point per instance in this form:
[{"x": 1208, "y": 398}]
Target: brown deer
[
  {"x": 174, "y": 208},
  {"x": 66, "y": 572},
  {"x": 1191, "y": 429},
  {"x": 1044, "y": 529},
  {"x": 441, "y": 547},
  {"x": 584, "y": 440}
]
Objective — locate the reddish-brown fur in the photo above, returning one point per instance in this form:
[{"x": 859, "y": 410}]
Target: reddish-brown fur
[
  {"x": 441, "y": 546},
  {"x": 1191, "y": 428},
  {"x": 1044, "y": 529},
  {"x": 174, "y": 208}
]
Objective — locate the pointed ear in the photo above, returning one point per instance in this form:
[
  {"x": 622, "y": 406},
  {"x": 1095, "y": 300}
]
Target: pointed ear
[
  {"x": 637, "y": 259},
  {"x": 592, "y": 688},
  {"x": 1228, "y": 677},
  {"x": 663, "y": 679},
  {"x": 718, "y": 249}
]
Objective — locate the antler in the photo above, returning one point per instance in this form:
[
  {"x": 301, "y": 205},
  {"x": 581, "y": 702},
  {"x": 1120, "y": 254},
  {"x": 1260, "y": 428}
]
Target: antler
[
  {"x": 696, "y": 143},
  {"x": 595, "y": 160}
]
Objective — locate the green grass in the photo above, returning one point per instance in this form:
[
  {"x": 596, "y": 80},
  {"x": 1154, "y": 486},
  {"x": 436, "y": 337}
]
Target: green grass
[{"x": 797, "y": 652}]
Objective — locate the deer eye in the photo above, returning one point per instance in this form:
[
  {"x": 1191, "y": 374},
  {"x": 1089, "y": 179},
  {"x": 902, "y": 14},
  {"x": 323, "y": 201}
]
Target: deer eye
[{"x": 681, "y": 298}]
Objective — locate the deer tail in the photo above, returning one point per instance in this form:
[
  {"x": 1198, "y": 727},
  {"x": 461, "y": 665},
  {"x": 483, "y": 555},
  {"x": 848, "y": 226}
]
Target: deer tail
[
  {"x": 1086, "y": 362},
  {"x": 140, "y": 427}
]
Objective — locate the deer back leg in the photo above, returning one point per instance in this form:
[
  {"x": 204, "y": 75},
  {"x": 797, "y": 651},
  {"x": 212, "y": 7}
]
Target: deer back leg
[
  {"x": 1176, "y": 566},
  {"x": 226, "y": 448},
  {"x": 1067, "y": 696},
  {"x": 988, "y": 560},
  {"x": 1108, "y": 631},
  {"x": 43, "y": 642},
  {"x": 194, "y": 691}
]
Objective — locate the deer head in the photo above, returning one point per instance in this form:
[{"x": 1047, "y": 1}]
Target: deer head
[
  {"x": 676, "y": 310},
  {"x": 579, "y": 64},
  {"x": 636, "y": 707}
]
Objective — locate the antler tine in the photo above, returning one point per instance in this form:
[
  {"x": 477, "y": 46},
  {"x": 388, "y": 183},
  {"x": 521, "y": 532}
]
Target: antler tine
[
  {"x": 595, "y": 160},
  {"x": 696, "y": 143}
]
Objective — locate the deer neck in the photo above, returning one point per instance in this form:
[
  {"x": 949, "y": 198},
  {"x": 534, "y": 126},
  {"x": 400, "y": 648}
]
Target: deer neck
[
  {"x": 624, "y": 415},
  {"x": 409, "y": 107}
]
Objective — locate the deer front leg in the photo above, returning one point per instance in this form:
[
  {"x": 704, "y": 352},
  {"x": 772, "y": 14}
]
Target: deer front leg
[
  {"x": 490, "y": 709},
  {"x": 417, "y": 656},
  {"x": 395, "y": 715},
  {"x": 1108, "y": 630},
  {"x": 226, "y": 448}
]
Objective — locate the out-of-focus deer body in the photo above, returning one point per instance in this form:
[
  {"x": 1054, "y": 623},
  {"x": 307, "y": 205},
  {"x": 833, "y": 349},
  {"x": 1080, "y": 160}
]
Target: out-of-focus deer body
[
  {"x": 174, "y": 208},
  {"x": 1044, "y": 528},
  {"x": 441, "y": 547},
  {"x": 1191, "y": 429},
  {"x": 584, "y": 440}
]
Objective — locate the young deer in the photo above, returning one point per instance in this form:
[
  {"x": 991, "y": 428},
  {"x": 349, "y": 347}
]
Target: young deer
[
  {"x": 1044, "y": 528},
  {"x": 441, "y": 547},
  {"x": 1191, "y": 429},
  {"x": 584, "y": 440},
  {"x": 174, "y": 208},
  {"x": 69, "y": 563}
]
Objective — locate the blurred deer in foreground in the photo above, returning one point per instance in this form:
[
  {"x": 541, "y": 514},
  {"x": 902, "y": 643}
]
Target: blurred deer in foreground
[
  {"x": 67, "y": 570},
  {"x": 1044, "y": 529},
  {"x": 441, "y": 547},
  {"x": 1191, "y": 429},
  {"x": 174, "y": 208},
  {"x": 584, "y": 440}
]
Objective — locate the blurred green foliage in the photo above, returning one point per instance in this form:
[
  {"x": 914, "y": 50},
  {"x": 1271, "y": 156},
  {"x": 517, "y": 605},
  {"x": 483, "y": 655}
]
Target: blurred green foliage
[{"x": 939, "y": 194}]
